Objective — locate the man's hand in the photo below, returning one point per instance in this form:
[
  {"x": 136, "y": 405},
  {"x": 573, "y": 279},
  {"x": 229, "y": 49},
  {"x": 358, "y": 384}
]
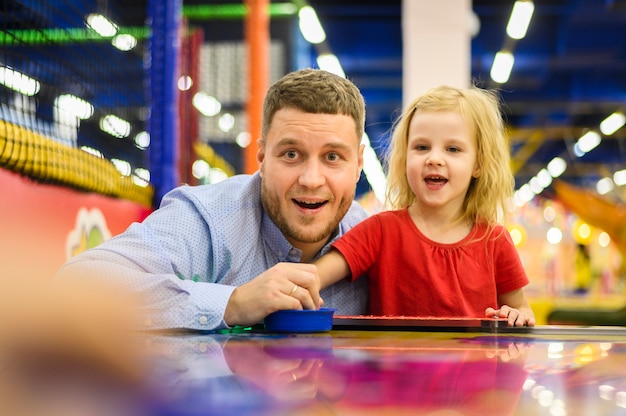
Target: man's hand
[{"x": 284, "y": 286}]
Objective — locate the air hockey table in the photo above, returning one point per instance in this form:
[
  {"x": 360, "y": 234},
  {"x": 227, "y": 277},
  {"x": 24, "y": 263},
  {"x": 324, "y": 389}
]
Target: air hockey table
[
  {"x": 362, "y": 366},
  {"x": 373, "y": 366}
]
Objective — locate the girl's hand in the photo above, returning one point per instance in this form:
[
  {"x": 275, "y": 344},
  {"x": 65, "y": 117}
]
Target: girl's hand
[{"x": 516, "y": 317}]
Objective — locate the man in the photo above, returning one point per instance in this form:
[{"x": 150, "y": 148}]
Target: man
[{"x": 228, "y": 254}]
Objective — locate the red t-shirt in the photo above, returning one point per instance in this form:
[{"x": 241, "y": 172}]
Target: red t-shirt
[{"x": 411, "y": 275}]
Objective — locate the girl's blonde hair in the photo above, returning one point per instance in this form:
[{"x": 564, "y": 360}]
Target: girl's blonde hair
[{"x": 488, "y": 195}]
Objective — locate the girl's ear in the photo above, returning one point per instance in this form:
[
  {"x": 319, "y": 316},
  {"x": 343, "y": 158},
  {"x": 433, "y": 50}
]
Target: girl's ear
[{"x": 476, "y": 173}]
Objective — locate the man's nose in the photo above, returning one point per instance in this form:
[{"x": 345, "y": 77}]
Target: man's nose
[{"x": 313, "y": 175}]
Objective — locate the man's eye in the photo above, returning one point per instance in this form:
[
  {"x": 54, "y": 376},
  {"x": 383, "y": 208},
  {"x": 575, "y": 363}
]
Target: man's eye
[
  {"x": 291, "y": 154},
  {"x": 333, "y": 157}
]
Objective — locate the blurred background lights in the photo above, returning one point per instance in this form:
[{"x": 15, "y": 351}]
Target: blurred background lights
[
  {"x": 226, "y": 122},
  {"x": 124, "y": 42},
  {"x": 556, "y": 167},
  {"x": 101, "y": 25},
  {"x": 604, "y": 239},
  {"x": 310, "y": 25},
  {"x": 612, "y": 123},
  {"x": 604, "y": 186},
  {"x": 554, "y": 236},
  {"x": 243, "y": 139},
  {"x": 206, "y": 104},
  {"x": 19, "y": 82},
  {"x": 142, "y": 140},
  {"x": 184, "y": 83},
  {"x": 549, "y": 213},
  {"x": 200, "y": 169}
]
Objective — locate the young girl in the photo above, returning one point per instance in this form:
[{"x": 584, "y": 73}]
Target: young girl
[{"x": 441, "y": 251}]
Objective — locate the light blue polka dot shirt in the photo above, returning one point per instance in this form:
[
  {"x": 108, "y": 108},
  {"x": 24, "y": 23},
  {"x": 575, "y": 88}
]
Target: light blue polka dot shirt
[{"x": 187, "y": 257}]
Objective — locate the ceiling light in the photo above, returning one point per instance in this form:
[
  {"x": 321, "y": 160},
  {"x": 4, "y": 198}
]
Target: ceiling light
[
  {"x": 124, "y": 42},
  {"x": 588, "y": 141},
  {"x": 226, "y": 122},
  {"x": 502, "y": 67},
  {"x": 619, "y": 177},
  {"x": 310, "y": 25},
  {"x": 122, "y": 166},
  {"x": 206, "y": 104},
  {"x": 373, "y": 169},
  {"x": 604, "y": 186},
  {"x": 74, "y": 105},
  {"x": 612, "y": 123},
  {"x": 556, "y": 167},
  {"x": 520, "y": 19},
  {"x": 103, "y": 26},
  {"x": 330, "y": 63},
  {"x": 19, "y": 82},
  {"x": 115, "y": 126}
]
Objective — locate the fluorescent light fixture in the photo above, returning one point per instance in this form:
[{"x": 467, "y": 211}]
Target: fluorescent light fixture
[
  {"x": 523, "y": 195},
  {"x": 520, "y": 19},
  {"x": 206, "y": 104},
  {"x": 502, "y": 67},
  {"x": 554, "y": 236},
  {"x": 556, "y": 167},
  {"x": 544, "y": 178},
  {"x": 185, "y": 83},
  {"x": 141, "y": 177},
  {"x": 373, "y": 170},
  {"x": 142, "y": 140},
  {"x": 124, "y": 42},
  {"x": 92, "y": 151},
  {"x": 612, "y": 123},
  {"x": 122, "y": 166},
  {"x": 226, "y": 122},
  {"x": 74, "y": 105},
  {"x": 115, "y": 126},
  {"x": 588, "y": 141},
  {"x": 535, "y": 185},
  {"x": 19, "y": 82},
  {"x": 604, "y": 186},
  {"x": 619, "y": 177},
  {"x": 101, "y": 25},
  {"x": 243, "y": 139},
  {"x": 310, "y": 25},
  {"x": 330, "y": 63},
  {"x": 200, "y": 169}
]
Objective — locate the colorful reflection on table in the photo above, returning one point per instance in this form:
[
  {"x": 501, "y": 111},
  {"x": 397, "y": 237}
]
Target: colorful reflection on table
[{"x": 367, "y": 373}]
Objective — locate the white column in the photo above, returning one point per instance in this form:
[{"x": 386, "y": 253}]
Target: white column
[{"x": 436, "y": 38}]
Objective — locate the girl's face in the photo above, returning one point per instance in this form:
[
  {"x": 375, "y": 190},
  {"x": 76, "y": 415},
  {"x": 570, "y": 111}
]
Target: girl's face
[{"x": 441, "y": 160}]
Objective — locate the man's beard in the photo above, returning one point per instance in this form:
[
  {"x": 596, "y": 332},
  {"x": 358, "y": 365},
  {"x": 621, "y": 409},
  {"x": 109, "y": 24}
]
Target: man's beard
[{"x": 271, "y": 205}]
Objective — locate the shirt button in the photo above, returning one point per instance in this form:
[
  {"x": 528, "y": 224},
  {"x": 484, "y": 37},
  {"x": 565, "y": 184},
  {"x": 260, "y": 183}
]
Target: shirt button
[{"x": 203, "y": 320}]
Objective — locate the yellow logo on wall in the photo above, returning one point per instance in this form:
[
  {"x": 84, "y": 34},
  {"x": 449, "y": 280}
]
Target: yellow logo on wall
[{"x": 89, "y": 231}]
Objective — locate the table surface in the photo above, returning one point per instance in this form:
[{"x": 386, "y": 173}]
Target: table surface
[{"x": 543, "y": 371}]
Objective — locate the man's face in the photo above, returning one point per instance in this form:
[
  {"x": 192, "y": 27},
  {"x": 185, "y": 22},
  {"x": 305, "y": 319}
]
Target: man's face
[{"x": 310, "y": 164}]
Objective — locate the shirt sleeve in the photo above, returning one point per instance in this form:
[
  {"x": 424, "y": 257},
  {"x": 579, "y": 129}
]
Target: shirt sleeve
[
  {"x": 360, "y": 246},
  {"x": 156, "y": 263}
]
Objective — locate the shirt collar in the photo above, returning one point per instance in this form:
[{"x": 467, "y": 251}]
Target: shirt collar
[{"x": 279, "y": 245}]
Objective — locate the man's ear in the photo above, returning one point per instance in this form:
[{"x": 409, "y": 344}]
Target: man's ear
[
  {"x": 260, "y": 154},
  {"x": 361, "y": 161}
]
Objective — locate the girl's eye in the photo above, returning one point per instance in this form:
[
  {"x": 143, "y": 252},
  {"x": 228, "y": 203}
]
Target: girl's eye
[
  {"x": 421, "y": 147},
  {"x": 453, "y": 149}
]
